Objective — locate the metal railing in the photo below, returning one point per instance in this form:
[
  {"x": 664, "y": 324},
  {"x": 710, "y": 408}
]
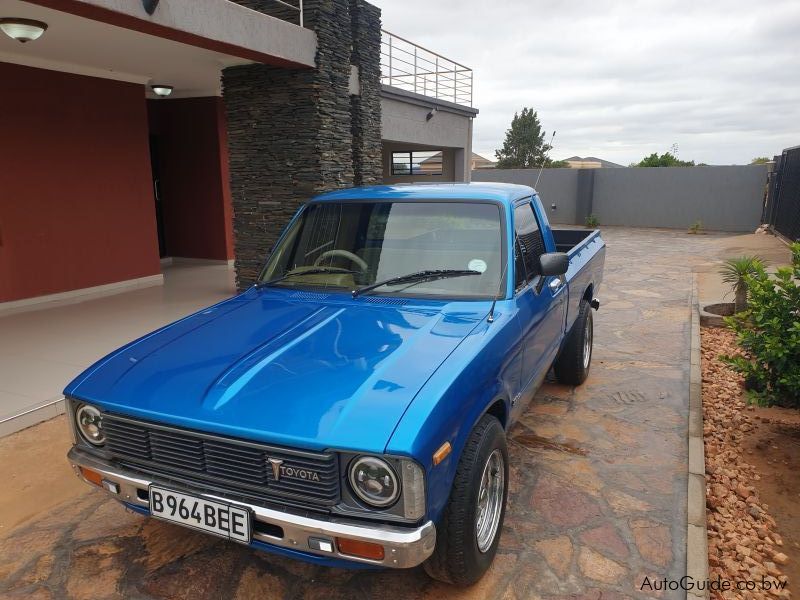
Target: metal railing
[{"x": 409, "y": 66}]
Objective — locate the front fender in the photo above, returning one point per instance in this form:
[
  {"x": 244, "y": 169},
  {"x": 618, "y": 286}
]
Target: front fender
[{"x": 484, "y": 368}]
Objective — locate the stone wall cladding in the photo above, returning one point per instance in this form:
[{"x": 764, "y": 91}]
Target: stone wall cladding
[
  {"x": 366, "y": 107},
  {"x": 290, "y": 131}
]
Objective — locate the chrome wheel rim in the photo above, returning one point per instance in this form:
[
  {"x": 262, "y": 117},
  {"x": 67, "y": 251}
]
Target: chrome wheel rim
[
  {"x": 587, "y": 342},
  {"x": 490, "y": 500}
]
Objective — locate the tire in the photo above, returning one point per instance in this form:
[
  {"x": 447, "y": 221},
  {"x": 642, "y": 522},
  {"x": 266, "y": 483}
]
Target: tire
[
  {"x": 462, "y": 556},
  {"x": 572, "y": 365}
]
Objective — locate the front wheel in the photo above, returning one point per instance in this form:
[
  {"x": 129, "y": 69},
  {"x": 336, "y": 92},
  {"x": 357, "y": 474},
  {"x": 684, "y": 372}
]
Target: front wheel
[
  {"x": 572, "y": 365},
  {"x": 469, "y": 531}
]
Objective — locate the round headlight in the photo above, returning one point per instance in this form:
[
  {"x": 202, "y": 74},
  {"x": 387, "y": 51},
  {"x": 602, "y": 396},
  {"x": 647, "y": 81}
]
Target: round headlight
[
  {"x": 374, "y": 481},
  {"x": 90, "y": 424}
]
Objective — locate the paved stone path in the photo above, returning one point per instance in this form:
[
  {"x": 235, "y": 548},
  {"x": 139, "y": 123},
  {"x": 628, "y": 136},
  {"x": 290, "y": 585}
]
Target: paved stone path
[{"x": 598, "y": 482}]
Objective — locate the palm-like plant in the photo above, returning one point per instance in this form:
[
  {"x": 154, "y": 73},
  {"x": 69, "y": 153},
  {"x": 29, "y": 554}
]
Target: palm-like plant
[{"x": 734, "y": 272}]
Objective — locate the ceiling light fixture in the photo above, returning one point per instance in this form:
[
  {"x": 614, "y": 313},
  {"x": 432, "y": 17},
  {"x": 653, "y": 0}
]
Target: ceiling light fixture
[
  {"x": 22, "y": 30},
  {"x": 161, "y": 90},
  {"x": 150, "y": 6}
]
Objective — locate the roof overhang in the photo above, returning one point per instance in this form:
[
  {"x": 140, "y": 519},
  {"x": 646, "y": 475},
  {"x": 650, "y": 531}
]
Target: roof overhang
[
  {"x": 217, "y": 25},
  {"x": 180, "y": 45}
]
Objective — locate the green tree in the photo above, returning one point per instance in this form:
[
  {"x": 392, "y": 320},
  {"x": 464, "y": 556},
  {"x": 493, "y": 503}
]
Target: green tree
[
  {"x": 759, "y": 160},
  {"x": 524, "y": 146},
  {"x": 665, "y": 160}
]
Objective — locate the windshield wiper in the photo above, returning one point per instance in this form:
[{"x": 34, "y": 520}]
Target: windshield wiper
[
  {"x": 418, "y": 277},
  {"x": 314, "y": 271}
]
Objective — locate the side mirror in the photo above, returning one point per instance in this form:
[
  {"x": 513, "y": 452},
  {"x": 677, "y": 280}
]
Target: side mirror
[{"x": 554, "y": 263}]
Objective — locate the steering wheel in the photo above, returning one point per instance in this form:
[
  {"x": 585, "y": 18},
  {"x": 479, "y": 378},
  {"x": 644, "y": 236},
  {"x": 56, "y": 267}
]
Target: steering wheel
[{"x": 362, "y": 265}]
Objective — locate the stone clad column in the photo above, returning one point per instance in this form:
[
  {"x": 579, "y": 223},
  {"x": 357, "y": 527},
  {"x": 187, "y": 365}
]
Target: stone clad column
[
  {"x": 365, "y": 107},
  {"x": 290, "y": 131}
]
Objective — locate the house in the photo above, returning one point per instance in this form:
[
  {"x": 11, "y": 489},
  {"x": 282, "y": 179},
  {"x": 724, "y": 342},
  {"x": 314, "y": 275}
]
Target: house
[
  {"x": 480, "y": 162},
  {"x": 590, "y": 162},
  {"x": 424, "y": 165},
  {"x": 139, "y": 132}
]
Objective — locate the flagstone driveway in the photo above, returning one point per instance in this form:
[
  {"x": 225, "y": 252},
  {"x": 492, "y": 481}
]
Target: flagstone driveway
[{"x": 598, "y": 482}]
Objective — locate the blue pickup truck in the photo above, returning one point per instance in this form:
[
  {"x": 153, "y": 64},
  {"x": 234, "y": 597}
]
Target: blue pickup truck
[{"x": 351, "y": 407}]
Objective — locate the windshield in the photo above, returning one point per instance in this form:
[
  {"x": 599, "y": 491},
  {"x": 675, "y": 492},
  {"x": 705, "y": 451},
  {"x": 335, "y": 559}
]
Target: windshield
[{"x": 349, "y": 245}]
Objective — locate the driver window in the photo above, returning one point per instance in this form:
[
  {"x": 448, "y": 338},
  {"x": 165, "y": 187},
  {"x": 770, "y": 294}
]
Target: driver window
[{"x": 529, "y": 239}]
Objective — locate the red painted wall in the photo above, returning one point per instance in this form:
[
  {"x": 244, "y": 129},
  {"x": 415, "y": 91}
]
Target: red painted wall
[
  {"x": 193, "y": 160},
  {"x": 76, "y": 201}
]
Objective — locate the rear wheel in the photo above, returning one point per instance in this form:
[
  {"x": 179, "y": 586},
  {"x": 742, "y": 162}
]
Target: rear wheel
[
  {"x": 572, "y": 365},
  {"x": 469, "y": 531}
]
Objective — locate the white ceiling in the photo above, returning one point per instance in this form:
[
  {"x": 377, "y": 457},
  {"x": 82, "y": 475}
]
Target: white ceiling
[{"x": 85, "y": 47}]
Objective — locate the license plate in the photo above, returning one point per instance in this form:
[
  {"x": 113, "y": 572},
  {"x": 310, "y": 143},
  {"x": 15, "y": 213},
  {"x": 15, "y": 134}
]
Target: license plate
[{"x": 224, "y": 520}]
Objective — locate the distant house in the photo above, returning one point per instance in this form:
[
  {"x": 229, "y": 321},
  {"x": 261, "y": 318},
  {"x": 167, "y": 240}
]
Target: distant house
[
  {"x": 480, "y": 162},
  {"x": 433, "y": 164},
  {"x": 590, "y": 162}
]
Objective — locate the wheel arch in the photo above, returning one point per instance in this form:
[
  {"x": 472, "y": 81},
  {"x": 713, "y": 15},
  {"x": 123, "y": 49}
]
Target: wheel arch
[
  {"x": 588, "y": 294},
  {"x": 498, "y": 409}
]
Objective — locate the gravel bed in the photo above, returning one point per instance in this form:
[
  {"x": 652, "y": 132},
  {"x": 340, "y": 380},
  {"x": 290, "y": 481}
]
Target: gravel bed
[{"x": 743, "y": 544}]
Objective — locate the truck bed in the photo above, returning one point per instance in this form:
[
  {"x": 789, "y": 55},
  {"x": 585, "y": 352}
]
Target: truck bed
[{"x": 569, "y": 239}]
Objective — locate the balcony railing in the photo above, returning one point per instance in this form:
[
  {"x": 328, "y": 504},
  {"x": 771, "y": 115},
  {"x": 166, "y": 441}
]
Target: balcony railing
[{"x": 409, "y": 66}]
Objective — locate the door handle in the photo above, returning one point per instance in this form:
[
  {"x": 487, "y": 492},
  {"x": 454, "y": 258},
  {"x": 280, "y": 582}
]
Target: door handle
[{"x": 556, "y": 283}]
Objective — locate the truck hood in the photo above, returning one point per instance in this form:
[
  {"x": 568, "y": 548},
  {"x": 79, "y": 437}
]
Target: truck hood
[{"x": 307, "y": 370}]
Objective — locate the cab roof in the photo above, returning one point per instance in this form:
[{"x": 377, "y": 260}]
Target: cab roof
[{"x": 506, "y": 193}]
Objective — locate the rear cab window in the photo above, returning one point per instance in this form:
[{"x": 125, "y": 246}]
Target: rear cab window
[{"x": 528, "y": 245}]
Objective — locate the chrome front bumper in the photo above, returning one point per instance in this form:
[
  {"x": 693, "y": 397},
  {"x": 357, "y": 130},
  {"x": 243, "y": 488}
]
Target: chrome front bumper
[{"x": 403, "y": 547}]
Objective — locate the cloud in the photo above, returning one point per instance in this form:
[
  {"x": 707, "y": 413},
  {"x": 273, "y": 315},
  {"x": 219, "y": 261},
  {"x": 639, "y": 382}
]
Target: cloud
[{"x": 619, "y": 80}]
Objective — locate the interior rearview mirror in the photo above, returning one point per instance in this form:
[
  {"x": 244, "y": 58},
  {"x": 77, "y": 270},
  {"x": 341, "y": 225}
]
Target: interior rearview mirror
[{"x": 554, "y": 263}]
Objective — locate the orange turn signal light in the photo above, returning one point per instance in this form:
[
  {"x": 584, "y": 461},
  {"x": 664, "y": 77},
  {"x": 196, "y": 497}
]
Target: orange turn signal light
[
  {"x": 442, "y": 453},
  {"x": 360, "y": 549},
  {"x": 91, "y": 476}
]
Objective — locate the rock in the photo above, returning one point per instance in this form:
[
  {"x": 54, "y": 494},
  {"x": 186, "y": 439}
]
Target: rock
[
  {"x": 596, "y": 566},
  {"x": 780, "y": 558},
  {"x": 557, "y": 552}
]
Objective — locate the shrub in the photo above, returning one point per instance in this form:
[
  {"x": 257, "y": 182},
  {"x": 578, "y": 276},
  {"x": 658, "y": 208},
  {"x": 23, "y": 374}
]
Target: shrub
[
  {"x": 696, "y": 227},
  {"x": 734, "y": 272},
  {"x": 768, "y": 332},
  {"x": 592, "y": 222}
]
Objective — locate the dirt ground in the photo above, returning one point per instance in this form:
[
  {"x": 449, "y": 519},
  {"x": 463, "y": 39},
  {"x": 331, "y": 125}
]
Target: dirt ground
[
  {"x": 773, "y": 447},
  {"x": 710, "y": 285}
]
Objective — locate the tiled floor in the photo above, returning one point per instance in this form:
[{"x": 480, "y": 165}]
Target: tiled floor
[{"x": 42, "y": 350}]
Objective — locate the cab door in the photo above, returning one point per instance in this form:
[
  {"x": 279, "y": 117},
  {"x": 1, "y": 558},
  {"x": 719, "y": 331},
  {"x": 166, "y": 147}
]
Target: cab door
[{"x": 541, "y": 301}]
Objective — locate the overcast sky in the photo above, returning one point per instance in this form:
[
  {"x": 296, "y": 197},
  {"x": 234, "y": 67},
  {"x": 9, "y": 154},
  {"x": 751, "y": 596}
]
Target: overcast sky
[{"x": 619, "y": 80}]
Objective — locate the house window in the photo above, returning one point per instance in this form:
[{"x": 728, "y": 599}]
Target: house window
[{"x": 417, "y": 163}]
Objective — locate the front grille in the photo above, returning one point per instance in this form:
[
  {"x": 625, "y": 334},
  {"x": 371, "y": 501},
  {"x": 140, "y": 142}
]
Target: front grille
[{"x": 309, "y": 477}]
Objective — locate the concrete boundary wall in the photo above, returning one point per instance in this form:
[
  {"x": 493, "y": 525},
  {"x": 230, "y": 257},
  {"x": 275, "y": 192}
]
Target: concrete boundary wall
[
  {"x": 728, "y": 198},
  {"x": 558, "y": 189}
]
